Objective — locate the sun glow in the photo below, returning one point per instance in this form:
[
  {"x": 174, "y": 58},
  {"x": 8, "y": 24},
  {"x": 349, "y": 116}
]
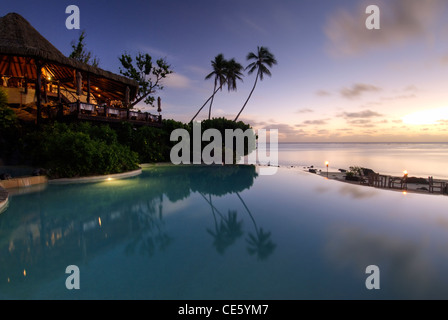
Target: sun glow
[{"x": 423, "y": 117}]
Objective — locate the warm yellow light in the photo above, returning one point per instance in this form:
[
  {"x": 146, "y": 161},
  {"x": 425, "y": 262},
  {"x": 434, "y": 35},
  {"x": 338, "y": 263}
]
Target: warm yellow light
[
  {"x": 24, "y": 272},
  {"x": 96, "y": 88},
  {"x": 326, "y": 163},
  {"x": 405, "y": 192},
  {"x": 9, "y": 280},
  {"x": 109, "y": 179},
  {"x": 99, "y": 221},
  {"x": 423, "y": 117},
  {"x": 405, "y": 172}
]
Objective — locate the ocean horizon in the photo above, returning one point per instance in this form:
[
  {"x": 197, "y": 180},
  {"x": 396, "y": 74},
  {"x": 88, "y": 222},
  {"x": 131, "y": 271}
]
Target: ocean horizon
[{"x": 419, "y": 159}]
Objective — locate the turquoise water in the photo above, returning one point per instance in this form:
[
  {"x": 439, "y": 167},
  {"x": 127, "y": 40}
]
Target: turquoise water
[{"x": 223, "y": 233}]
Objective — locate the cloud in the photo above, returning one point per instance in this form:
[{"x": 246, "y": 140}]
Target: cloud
[
  {"x": 400, "y": 97},
  {"x": 444, "y": 60},
  {"x": 315, "y": 122},
  {"x": 323, "y": 93},
  {"x": 178, "y": 81},
  {"x": 200, "y": 71},
  {"x": 254, "y": 26},
  {"x": 357, "y": 90},
  {"x": 363, "y": 123},
  {"x": 306, "y": 110},
  {"x": 400, "y": 22},
  {"x": 360, "y": 115}
]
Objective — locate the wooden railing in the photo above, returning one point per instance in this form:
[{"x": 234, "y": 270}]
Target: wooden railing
[{"x": 111, "y": 113}]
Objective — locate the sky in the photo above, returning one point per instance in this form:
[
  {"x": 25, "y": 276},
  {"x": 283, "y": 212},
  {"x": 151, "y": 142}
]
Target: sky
[{"x": 335, "y": 80}]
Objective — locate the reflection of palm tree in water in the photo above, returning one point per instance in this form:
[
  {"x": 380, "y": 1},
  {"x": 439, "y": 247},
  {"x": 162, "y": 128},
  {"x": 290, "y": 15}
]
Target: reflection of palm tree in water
[
  {"x": 260, "y": 243},
  {"x": 149, "y": 235},
  {"x": 227, "y": 230}
]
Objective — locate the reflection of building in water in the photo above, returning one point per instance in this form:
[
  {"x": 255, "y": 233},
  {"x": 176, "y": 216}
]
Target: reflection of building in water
[
  {"x": 45, "y": 238},
  {"x": 72, "y": 225}
]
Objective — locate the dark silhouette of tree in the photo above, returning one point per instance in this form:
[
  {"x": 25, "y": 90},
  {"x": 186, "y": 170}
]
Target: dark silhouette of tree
[
  {"x": 227, "y": 72},
  {"x": 148, "y": 235},
  {"x": 262, "y": 60},
  {"x": 219, "y": 70},
  {"x": 80, "y": 53},
  {"x": 146, "y": 73},
  {"x": 227, "y": 230},
  {"x": 260, "y": 244}
]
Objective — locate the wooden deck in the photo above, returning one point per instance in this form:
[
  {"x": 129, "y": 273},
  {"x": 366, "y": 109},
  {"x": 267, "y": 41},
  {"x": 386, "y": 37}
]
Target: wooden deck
[{"x": 91, "y": 112}]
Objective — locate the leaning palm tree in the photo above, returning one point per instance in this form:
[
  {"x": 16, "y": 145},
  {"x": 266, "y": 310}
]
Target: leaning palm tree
[
  {"x": 263, "y": 59},
  {"x": 259, "y": 244},
  {"x": 232, "y": 71},
  {"x": 219, "y": 72}
]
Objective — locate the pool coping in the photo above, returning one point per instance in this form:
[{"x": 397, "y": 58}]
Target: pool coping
[
  {"x": 96, "y": 178},
  {"x": 4, "y": 199}
]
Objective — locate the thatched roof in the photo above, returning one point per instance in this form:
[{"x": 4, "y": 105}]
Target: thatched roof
[{"x": 18, "y": 38}]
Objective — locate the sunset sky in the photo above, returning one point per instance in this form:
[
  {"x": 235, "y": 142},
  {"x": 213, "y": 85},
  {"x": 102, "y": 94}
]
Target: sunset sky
[{"x": 335, "y": 80}]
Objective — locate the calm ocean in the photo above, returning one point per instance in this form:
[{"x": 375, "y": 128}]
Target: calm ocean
[{"x": 419, "y": 159}]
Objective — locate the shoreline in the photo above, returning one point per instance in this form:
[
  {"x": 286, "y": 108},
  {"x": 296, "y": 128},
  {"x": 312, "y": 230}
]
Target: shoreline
[
  {"x": 410, "y": 187},
  {"x": 4, "y": 199}
]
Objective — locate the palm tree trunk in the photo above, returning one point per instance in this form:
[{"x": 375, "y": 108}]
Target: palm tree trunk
[
  {"x": 211, "y": 102},
  {"x": 255, "y": 84},
  {"x": 248, "y": 211},
  {"x": 206, "y": 103}
]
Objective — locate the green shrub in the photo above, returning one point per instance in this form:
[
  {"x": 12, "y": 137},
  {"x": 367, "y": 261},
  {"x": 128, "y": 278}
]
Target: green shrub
[
  {"x": 8, "y": 117},
  {"x": 66, "y": 152}
]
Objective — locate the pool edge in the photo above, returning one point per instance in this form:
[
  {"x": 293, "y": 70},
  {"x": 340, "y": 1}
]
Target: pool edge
[{"x": 123, "y": 175}]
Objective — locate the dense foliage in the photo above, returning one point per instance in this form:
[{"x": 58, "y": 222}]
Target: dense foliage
[
  {"x": 80, "y": 150},
  {"x": 85, "y": 149},
  {"x": 8, "y": 125}
]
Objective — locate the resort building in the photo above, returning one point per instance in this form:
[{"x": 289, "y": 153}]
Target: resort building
[{"x": 41, "y": 83}]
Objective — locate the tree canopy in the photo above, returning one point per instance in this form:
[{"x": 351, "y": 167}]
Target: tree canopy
[
  {"x": 146, "y": 73},
  {"x": 80, "y": 53}
]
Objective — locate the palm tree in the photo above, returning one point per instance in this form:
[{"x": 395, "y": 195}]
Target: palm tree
[
  {"x": 231, "y": 72},
  {"x": 219, "y": 72},
  {"x": 259, "y": 244},
  {"x": 262, "y": 60}
]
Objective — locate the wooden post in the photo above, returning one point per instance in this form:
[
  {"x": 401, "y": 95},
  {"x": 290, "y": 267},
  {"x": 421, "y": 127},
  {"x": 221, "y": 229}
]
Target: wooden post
[
  {"x": 59, "y": 92},
  {"x": 45, "y": 90},
  {"x": 38, "y": 87},
  {"x": 78, "y": 83},
  {"x": 88, "y": 88},
  {"x": 127, "y": 97}
]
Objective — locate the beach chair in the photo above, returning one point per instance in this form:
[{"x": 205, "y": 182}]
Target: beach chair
[
  {"x": 436, "y": 185},
  {"x": 373, "y": 180},
  {"x": 394, "y": 182}
]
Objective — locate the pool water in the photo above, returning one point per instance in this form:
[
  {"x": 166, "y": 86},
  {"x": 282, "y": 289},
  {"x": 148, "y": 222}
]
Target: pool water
[{"x": 211, "y": 232}]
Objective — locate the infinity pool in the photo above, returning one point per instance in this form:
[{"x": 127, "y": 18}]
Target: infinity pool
[{"x": 180, "y": 232}]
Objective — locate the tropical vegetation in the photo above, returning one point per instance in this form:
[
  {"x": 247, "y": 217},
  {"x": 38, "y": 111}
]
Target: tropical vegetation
[
  {"x": 263, "y": 60},
  {"x": 227, "y": 72}
]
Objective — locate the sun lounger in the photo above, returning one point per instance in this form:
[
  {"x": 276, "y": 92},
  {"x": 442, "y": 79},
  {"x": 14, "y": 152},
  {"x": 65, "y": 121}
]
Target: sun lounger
[{"x": 436, "y": 185}]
